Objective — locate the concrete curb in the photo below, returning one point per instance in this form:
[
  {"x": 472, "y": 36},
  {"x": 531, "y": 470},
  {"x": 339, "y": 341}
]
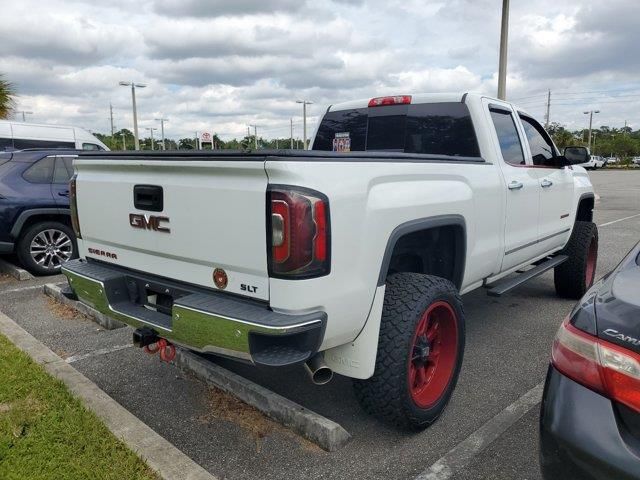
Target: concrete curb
[
  {"x": 324, "y": 432},
  {"x": 169, "y": 462},
  {"x": 55, "y": 292},
  {"x": 15, "y": 271}
]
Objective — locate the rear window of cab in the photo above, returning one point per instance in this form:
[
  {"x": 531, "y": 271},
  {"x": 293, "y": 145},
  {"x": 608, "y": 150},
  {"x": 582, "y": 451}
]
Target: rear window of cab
[{"x": 428, "y": 128}]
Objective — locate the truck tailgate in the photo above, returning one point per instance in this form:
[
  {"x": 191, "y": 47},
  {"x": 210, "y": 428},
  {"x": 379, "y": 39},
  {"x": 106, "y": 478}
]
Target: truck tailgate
[{"x": 212, "y": 216}]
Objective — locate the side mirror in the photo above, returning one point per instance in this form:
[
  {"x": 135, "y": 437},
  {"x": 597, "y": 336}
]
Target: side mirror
[{"x": 576, "y": 155}]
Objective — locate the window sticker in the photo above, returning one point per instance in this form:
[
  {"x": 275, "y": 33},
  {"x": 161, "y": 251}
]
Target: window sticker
[{"x": 342, "y": 142}]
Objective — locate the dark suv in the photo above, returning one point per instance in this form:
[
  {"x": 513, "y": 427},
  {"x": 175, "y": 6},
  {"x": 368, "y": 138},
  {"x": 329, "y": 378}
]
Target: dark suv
[{"x": 35, "y": 219}]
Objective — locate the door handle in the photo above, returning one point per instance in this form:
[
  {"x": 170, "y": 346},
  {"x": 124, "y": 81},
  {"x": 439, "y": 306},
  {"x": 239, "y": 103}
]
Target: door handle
[
  {"x": 546, "y": 183},
  {"x": 64, "y": 194},
  {"x": 515, "y": 185}
]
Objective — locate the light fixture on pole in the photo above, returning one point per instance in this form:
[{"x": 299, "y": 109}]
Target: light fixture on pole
[
  {"x": 162, "y": 120},
  {"x": 590, "y": 113},
  {"x": 304, "y": 121},
  {"x": 133, "y": 86},
  {"x": 151, "y": 129}
]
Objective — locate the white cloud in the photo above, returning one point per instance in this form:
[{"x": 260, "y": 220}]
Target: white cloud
[{"x": 220, "y": 65}]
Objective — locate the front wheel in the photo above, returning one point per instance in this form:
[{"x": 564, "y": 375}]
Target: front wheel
[
  {"x": 576, "y": 275},
  {"x": 420, "y": 351},
  {"x": 45, "y": 246}
]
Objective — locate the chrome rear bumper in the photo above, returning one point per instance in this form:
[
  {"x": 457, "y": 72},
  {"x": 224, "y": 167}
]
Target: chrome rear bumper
[{"x": 196, "y": 318}]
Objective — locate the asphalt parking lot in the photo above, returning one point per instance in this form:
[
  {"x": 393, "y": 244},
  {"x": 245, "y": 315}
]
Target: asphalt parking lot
[{"x": 508, "y": 345}]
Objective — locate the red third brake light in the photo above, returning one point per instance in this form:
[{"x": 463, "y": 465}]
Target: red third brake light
[
  {"x": 395, "y": 100},
  {"x": 299, "y": 240},
  {"x": 602, "y": 366}
]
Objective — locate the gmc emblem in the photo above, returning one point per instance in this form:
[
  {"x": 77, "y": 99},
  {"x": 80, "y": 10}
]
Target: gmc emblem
[{"x": 148, "y": 222}]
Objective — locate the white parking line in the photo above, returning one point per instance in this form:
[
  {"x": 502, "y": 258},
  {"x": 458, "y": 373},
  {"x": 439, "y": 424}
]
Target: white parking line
[
  {"x": 619, "y": 220},
  {"x": 96, "y": 353},
  {"x": 463, "y": 453}
]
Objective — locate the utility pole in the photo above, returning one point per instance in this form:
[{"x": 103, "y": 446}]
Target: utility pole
[
  {"x": 162, "y": 120},
  {"x": 255, "y": 135},
  {"x": 304, "y": 121},
  {"x": 548, "y": 110},
  {"x": 504, "y": 40},
  {"x": 133, "y": 86},
  {"x": 590, "y": 113},
  {"x": 151, "y": 129},
  {"x": 624, "y": 134},
  {"x": 111, "y": 118},
  {"x": 291, "y": 121}
]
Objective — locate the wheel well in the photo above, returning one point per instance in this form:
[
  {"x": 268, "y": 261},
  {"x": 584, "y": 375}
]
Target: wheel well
[
  {"x": 438, "y": 251},
  {"x": 585, "y": 209},
  {"x": 44, "y": 217}
]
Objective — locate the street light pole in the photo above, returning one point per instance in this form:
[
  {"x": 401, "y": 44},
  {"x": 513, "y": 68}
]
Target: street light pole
[
  {"x": 255, "y": 136},
  {"x": 133, "y": 86},
  {"x": 24, "y": 112},
  {"x": 504, "y": 40},
  {"x": 304, "y": 121},
  {"x": 590, "y": 113},
  {"x": 162, "y": 120},
  {"x": 291, "y": 122},
  {"x": 151, "y": 129},
  {"x": 111, "y": 118}
]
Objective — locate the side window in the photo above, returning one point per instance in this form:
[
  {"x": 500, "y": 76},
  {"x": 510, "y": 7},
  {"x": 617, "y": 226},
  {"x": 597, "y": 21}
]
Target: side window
[
  {"x": 91, "y": 146},
  {"x": 40, "y": 172},
  {"x": 508, "y": 137},
  {"x": 542, "y": 150},
  {"x": 63, "y": 170},
  {"x": 22, "y": 143},
  {"x": 5, "y": 143}
]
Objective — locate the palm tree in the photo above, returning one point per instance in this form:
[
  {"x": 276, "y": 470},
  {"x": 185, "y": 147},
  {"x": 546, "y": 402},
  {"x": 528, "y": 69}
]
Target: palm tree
[{"x": 7, "y": 97}]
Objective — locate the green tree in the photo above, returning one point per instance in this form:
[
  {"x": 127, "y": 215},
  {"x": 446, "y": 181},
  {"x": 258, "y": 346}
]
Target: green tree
[{"x": 7, "y": 98}]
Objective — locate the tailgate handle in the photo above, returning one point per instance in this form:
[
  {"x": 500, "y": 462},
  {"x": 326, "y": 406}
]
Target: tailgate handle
[{"x": 148, "y": 197}]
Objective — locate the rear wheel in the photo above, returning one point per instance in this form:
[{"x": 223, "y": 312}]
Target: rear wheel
[
  {"x": 45, "y": 246},
  {"x": 420, "y": 351},
  {"x": 575, "y": 276}
]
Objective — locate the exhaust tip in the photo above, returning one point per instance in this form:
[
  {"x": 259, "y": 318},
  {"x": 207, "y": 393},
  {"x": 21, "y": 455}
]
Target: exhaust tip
[
  {"x": 322, "y": 376},
  {"x": 319, "y": 372}
]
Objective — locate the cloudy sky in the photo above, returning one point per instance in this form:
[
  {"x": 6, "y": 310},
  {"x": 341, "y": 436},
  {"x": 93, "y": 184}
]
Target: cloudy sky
[{"x": 219, "y": 65}]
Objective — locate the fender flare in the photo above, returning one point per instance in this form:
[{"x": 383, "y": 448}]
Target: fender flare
[
  {"x": 584, "y": 196},
  {"x": 425, "y": 224},
  {"x": 27, "y": 214}
]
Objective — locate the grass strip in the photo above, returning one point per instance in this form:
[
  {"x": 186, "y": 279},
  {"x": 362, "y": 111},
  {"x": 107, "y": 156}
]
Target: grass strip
[{"x": 46, "y": 433}]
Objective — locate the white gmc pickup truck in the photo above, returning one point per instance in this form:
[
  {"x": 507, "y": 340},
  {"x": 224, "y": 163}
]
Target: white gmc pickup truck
[{"x": 349, "y": 258}]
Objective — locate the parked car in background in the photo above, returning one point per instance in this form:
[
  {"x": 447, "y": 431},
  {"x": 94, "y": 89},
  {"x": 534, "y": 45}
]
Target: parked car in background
[
  {"x": 612, "y": 160},
  {"x": 594, "y": 163},
  {"x": 590, "y": 419},
  {"x": 21, "y": 135},
  {"x": 635, "y": 160},
  {"x": 35, "y": 220}
]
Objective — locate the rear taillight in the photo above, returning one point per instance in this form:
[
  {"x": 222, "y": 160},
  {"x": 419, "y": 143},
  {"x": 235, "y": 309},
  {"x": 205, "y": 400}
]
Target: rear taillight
[
  {"x": 395, "y": 100},
  {"x": 602, "y": 366},
  {"x": 299, "y": 235},
  {"x": 73, "y": 203}
]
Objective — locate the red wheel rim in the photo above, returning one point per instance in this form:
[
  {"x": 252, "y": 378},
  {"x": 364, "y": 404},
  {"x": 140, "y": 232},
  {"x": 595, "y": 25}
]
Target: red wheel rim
[
  {"x": 592, "y": 260},
  {"x": 433, "y": 354}
]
